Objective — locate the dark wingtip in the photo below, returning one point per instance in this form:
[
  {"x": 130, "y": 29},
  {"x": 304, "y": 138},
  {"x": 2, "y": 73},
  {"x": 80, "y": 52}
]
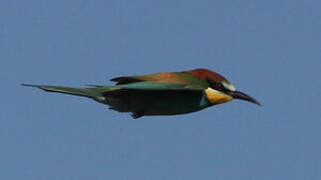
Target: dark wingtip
[{"x": 125, "y": 80}]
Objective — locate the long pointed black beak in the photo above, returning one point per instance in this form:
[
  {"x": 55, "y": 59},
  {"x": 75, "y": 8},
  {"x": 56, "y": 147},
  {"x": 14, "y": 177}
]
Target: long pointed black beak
[{"x": 243, "y": 96}]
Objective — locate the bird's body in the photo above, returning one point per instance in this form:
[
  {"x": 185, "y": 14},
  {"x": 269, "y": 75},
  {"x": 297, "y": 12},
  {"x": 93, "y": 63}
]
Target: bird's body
[
  {"x": 157, "y": 102},
  {"x": 166, "y": 93}
]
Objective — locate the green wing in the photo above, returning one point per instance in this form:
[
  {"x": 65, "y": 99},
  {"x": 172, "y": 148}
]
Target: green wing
[
  {"x": 165, "y": 80},
  {"x": 97, "y": 91},
  {"x": 147, "y": 85}
]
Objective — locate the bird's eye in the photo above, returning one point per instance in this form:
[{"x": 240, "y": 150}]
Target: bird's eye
[
  {"x": 216, "y": 85},
  {"x": 219, "y": 87}
]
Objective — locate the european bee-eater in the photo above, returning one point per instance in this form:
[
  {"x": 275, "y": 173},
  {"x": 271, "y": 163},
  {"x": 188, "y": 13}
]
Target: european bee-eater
[{"x": 165, "y": 93}]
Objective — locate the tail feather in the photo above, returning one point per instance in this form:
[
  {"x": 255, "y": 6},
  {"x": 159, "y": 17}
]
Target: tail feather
[{"x": 86, "y": 92}]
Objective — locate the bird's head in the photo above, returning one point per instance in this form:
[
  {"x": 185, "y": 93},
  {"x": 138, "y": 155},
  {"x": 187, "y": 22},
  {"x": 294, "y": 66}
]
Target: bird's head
[{"x": 219, "y": 89}]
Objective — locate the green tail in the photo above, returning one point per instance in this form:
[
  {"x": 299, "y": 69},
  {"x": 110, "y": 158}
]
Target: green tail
[{"x": 86, "y": 92}]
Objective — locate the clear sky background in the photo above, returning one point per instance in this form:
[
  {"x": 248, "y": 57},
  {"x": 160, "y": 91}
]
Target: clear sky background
[{"x": 268, "y": 49}]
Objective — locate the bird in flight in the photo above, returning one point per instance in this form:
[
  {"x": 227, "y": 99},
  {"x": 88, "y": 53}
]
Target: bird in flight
[{"x": 164, "y": 93}]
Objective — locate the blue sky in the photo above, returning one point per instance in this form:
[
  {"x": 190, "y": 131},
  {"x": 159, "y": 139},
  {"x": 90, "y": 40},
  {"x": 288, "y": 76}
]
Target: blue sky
[{"x": 268, "y": 49}]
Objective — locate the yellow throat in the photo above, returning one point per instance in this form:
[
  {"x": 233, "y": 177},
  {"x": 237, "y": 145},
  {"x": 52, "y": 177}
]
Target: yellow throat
[{"x": 216, "y": 97}]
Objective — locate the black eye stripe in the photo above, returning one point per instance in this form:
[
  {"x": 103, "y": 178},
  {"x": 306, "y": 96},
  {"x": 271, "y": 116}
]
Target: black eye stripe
[{"x": 216, "y": 85}]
